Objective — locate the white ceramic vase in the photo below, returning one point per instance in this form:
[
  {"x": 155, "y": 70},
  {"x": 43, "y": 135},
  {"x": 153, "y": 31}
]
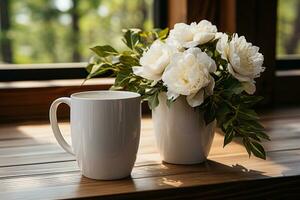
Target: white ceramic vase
[{"x": 182, "y": 136}]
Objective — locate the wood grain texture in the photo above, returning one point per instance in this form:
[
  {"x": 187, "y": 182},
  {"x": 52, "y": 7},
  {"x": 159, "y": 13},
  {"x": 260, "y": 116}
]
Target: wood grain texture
[{"x": 33, "y": 166}]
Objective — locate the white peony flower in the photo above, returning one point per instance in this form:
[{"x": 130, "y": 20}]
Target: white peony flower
[
  {"x": 189, "y": 74},
  {"x": 181, "y": 36},
  {"x": 244, "y": 60},
  {"x": 154, "y": 61},
  {"x": 187, "y": 36},
  {"x": 222, "y": 45},
  {"x": 204, "y": 31}
]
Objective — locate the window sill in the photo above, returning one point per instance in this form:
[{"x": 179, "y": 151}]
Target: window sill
[
  {"x": 285, "y": 89},
  {"x": 104, "y": 82},
  {"x": 30, "y": 100},
  {"x": 288, "y": 73}
]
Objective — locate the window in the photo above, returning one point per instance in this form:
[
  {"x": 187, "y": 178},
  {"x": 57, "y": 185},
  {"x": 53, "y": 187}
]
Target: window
[
  {"x": 35, "y": 33},
  {"x": 288, "y": 34}
]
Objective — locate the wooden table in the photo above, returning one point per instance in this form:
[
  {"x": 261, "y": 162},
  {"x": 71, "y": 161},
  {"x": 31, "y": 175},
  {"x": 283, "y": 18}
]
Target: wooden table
[{"x": 33, "y": 166}]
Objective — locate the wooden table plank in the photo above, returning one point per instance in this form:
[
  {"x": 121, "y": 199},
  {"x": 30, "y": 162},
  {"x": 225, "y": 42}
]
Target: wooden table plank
[
  {"x": 30, "y": 149},
  {"x": 33, "y": 166},
  {"x": 288, "y": 164},
  {"x": 144, "y": 178}
]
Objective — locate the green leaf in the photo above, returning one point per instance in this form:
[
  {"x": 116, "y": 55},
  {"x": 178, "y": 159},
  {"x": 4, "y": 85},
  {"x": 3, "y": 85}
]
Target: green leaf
[
  {"x": 114, "y": 87},
  {"x": 227, "y": 123},
  {"x": 247, "y": 145},
  {"x": 131, "y": 38},
  {"x": 133, "y": 79},
  {"x": 210, "y": 113},
  {"x": 250, "y": 100},
  {"x": 153, "y": 101},
  {"x": 257, "y": 135},
  {"x": 147, "y": 38},
  {"x": 122, "y": 79},
  {"x": 139, "y": 49},
  {"x": 247, "y": 114},
  {"x": 229, "y": 135},
  {"x": 98, "y": 69},
  {"x": 89, "y": 67},
  {"x": 232, "y": 86},
  {"x": 104, "y": 51},
  {"x": 254, "y": 137},
  {"x": 162, "y": 34},
  {"x": 262, "y": 135},
  {"x": 258, "y": 150},
  {"x": 222, "y": 113},
  {"x": 252, "y": 125},
  {"x": 129, "y": 60}
]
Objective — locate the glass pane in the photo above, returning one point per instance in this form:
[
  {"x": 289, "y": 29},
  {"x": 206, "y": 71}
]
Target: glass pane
[
  {"x": 56, "y": 31},
  {"x": 288, "y": 29}
]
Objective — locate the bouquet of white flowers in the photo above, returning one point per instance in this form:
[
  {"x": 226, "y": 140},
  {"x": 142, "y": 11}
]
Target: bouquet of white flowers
[{"x": 214, "y": 71}]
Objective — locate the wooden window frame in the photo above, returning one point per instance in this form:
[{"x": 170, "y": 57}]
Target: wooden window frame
[
  {"x": 253, "y": 18},
  {"x": 287, "y": 64},
  {"x": 24, "y": 72}
]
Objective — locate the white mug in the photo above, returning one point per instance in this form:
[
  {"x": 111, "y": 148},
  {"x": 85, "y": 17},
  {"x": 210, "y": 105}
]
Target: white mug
[{"x": 105, "y": 131}]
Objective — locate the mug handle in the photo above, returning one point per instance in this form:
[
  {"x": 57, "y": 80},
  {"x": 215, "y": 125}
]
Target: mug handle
[{"x": 53, "y": 121}]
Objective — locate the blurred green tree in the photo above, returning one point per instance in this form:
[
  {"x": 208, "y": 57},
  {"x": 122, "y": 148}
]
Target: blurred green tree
[
  {"x": 288, "y": 28},
  {"x": 50, "y": 31},
  {"x": 5, "y": 24}
]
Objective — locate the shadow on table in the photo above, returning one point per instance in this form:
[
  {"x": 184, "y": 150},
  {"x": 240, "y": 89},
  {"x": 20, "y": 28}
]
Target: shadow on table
[
  {"x": 211, "y": 167},
  {"x": 283, "y": 151},
  {"x": 167, "y": 181}
]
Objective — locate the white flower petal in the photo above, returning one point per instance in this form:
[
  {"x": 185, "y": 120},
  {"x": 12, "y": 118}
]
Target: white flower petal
[
  {"x": 145, "y": 73},
  {"x": 209, "y": 90},
  {"x": 138, "y": 70},
  {"x": 249, "y": 87},
  {"x": 189, "y": 36},
  {"x": 203, "y": 37},
  {"x": 207, "y": 26},
  {"x": 245, "y": 62},
  {"x": 190, "y": 44},
  {"x": 188, "y": 74},
  {"x": 154, "y": 61},
  {"x": 195, "y": 99},
  {"x": 222, "y": 45},
  {"x": 236, "y": 75}
]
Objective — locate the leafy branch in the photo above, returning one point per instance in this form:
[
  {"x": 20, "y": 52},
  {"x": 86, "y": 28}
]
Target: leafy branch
[
  {"x": 235, "y": 116},
  {"x": 119, "y": 64}
]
